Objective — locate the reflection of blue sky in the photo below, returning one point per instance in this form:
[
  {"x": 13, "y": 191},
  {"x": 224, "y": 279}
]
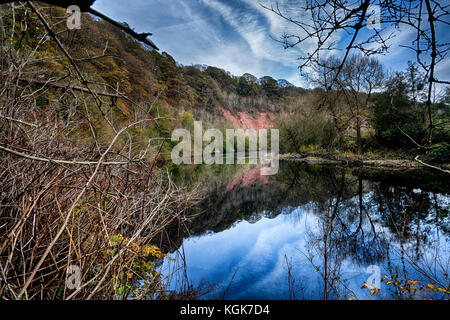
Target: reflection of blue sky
[
  {"x": 257, "y": 251},
  {"x": 237, "y": 35}
]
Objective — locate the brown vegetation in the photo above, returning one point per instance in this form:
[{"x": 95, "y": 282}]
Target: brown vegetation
[{"x": 78, "y": 187}]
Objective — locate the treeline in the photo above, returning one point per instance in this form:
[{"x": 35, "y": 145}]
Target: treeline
[
  {"x": 216, "y": 87},
  {"x": 207, "y": 88}
]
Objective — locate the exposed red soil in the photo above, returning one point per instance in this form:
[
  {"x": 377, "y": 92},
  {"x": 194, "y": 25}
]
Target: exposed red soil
[{"x": 246, "y": 121}]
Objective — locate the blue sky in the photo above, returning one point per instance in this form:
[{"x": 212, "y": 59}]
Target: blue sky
[{"x": 236, "y": 35}]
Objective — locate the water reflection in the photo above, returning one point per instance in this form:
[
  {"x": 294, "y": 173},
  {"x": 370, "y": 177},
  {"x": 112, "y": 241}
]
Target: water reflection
[{"x": 310, "y": 232}]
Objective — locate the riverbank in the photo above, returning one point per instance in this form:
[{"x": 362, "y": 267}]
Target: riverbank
[{"x": 357, "y": 161}]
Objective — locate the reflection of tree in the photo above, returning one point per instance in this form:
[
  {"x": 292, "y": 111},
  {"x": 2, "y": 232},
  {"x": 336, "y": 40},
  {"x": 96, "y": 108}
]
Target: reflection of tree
[
  {"x": 296, "y": 184},
  {"x": 430, "y": 181},
  {"x": 416, "y": 220},
  {"x": 406, "y": 212},
  {"x": 352, "y": 211},
  {"x": 352, "y": 228},
  {"x": 346, "y": 230}
]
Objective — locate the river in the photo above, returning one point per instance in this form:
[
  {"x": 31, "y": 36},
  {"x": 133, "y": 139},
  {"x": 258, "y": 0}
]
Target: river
[{"x": 313, "y": 232}]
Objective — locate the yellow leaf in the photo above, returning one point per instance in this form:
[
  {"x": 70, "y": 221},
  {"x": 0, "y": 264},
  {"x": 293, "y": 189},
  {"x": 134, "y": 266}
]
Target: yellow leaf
[
  {"x": 442, "y": 290},
  {"x": 388, "y": 283},
  {"x": 431, "y": 287},
  {"x": 130, "y": 275},
  {"x": 372, "y": 291}
]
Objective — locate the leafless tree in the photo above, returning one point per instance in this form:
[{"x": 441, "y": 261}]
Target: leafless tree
[{"x": 360, "y": 76}]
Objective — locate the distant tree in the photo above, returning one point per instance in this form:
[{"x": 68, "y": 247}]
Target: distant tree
[
  {"x": 250, "y": 78},
  {"x": 226, "y": 81},
  {"x": 394, "y": 111},
  {"x": 270, "y": 86},
  {"x": 283, "y": 83},
  {"x": 83, "y": 4},
  {"x": 346, "y": 95},
  {"x": 446, "y": 97},
  {"x": 244, "y": 88},
  {"x": 170, "y": 77},
  {"x": 360, "y": 76}
]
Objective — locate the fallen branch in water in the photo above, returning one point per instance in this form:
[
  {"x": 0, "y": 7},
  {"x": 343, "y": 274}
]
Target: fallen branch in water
[{"x": 430, "y": 166}]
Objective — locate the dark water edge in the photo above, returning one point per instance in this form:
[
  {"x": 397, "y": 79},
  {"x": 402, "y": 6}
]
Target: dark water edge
[{"x": 251, "y": 231}]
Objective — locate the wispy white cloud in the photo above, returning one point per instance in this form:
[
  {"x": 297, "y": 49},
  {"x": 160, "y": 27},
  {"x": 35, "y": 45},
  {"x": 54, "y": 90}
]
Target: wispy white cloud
[
  {"x": 236, "y": 35},
  {"x": 251, "y": 28}
]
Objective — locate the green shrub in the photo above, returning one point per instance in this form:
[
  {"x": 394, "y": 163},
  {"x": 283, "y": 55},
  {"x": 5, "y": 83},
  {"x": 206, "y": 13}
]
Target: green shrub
[
  {"x": 440, "y": 154},
  {"x": 42, "y": 101},
  {"x": 297, "y": 131}
]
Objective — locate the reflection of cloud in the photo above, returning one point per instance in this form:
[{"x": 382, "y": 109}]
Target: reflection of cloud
[{"x": 257, "y": 251}]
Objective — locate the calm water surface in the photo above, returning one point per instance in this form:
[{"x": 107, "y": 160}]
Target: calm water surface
[{"x": 273, "y": 237}]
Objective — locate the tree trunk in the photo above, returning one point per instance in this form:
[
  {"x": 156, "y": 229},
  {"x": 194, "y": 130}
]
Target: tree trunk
[{"x": 358, "y": 133}]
